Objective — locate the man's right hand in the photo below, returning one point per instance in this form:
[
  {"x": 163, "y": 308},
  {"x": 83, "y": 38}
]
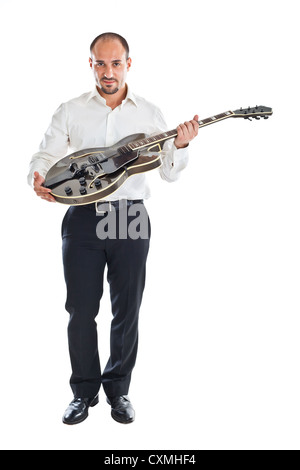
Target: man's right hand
[{"x": 42, "y": 192}]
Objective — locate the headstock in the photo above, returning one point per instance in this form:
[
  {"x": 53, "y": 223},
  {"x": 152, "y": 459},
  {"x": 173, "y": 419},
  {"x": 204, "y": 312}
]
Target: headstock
[{"x": 256, "y": 113}]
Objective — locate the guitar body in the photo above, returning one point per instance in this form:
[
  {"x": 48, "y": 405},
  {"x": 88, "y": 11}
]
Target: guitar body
[{"x": 100, "y": 171}]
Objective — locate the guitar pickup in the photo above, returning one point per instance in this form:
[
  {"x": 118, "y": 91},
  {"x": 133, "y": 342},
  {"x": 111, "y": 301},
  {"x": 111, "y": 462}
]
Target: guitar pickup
[{"x": 94, "y": 161}]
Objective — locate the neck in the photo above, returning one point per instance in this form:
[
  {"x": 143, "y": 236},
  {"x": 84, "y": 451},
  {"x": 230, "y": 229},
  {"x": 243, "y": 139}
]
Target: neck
[
  {"x": 116, "y": 99},
  {"x": 161, "y": 138}
]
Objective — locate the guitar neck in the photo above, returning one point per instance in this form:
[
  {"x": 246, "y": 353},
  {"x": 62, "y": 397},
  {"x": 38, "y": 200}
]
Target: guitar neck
[{"x": 160, "y": 138}]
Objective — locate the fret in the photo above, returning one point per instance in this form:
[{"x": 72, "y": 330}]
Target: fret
[
  {"x": 139, "y": 144},
  {"x": 215, "y": 118}
]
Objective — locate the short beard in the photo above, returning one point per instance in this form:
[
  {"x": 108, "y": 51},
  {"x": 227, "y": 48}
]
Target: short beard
[{"x": 110, "y": 92}]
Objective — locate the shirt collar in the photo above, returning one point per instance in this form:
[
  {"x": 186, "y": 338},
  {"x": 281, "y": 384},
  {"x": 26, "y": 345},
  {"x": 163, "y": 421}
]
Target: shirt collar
[
  {"x": 130, "y": 96},
  {"x": 95, "y": 94}
]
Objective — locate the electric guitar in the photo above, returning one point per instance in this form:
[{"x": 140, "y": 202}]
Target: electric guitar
[{"x": 92, "y": 174}]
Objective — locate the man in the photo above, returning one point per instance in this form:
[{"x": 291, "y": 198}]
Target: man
[{"x": 100, "y": 119}]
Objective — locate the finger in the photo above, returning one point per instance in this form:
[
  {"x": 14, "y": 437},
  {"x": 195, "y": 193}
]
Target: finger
[
  {"x": 195, "y": 127},
  {"x": 180, "y": 130},
  {"x": 48, "y": 198},
  {"x": 184, "y": 128},
  {"x": 41, "y": 190},
  {"x": 43, "y": 195},
  {"x": 188, "y": 126},
  {"x": 189, "y": 130},
  {"x": 195, "y": 124},
  {"x": 38, "y": 178},
  {"x": 38, "y": 184}
]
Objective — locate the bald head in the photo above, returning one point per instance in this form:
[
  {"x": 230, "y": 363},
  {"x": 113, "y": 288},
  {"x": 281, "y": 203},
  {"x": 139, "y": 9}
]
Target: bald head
[{"x": 111, "y": 37}]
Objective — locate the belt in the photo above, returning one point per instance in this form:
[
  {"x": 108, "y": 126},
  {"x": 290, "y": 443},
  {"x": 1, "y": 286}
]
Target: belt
[{"x": 108, "y": 206}]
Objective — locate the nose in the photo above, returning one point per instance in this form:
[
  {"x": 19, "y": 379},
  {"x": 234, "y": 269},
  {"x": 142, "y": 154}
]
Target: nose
[{"x": 108, "y": 73}]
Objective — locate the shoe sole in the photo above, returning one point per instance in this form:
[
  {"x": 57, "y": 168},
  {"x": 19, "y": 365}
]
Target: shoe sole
[{"x": 93, "y": 403}]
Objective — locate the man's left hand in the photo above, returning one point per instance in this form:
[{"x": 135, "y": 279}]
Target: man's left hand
[{"x": 186, "y": 132}]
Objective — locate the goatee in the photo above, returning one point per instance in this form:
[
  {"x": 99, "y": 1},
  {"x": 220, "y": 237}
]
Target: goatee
[{"x": 109, "y": 92}]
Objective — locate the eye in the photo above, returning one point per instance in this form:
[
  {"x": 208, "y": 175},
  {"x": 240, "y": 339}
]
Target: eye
[{"x": 117, "y": 64}]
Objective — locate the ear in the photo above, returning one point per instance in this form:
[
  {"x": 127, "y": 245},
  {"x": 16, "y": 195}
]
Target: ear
[
  {"x": 129, "y": 62},
  {"x": 91, "y": 62}
]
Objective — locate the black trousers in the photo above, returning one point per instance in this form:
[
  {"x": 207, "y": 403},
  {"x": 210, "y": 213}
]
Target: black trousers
[{"x": 85, "y": 256}]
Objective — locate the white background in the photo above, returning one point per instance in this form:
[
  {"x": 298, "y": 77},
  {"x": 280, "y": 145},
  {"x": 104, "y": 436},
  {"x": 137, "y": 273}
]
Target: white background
[{"x": 218, "y": 363}]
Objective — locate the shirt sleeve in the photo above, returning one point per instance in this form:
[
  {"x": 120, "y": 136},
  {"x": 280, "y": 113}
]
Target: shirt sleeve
[
  {"x": 53, "y": 147},
  {"x": 174, "y": 160}
]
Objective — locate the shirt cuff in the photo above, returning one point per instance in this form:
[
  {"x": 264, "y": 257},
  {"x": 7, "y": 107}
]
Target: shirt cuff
[{"x": 179, "y": 155}]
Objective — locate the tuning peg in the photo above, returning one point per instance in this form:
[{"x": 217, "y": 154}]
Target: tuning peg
[
  {"x": 266, "y": 117},
  {"x": 257, "y": 117},
  {"x": 249, "y": 118}
]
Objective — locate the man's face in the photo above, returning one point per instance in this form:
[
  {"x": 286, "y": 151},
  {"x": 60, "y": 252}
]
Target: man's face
[{"x": 109, "y": 64}]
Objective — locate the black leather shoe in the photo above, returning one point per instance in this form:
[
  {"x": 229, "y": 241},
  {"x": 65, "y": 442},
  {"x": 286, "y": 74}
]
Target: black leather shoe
[
  {"x": 78, "y": 410},
  {"x": 121, "y": 409}
]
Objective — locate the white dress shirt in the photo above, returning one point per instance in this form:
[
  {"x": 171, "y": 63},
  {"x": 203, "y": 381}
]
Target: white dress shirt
[{"x": 87, "y": 121}]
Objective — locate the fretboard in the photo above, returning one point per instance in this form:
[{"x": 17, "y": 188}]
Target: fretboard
[{"x": 149, "y": 141}]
